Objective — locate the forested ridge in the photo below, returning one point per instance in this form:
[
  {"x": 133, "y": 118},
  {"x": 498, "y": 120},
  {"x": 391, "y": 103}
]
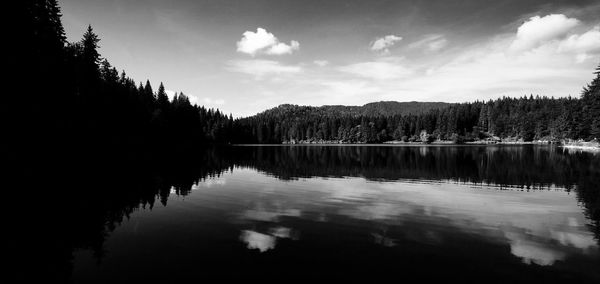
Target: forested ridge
[
  {"x": 516, "y": 119},
  {"x": 383, "y": 108},
  {"x": 67, "y": 93}
]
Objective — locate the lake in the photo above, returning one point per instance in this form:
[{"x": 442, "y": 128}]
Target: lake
[{"x": 345, "y": 212}]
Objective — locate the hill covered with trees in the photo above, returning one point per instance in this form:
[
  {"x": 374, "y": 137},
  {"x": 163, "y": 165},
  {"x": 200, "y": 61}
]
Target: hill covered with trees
[
  {"x": 383, "y": 108},
  {"x": 517, "y": 119}
]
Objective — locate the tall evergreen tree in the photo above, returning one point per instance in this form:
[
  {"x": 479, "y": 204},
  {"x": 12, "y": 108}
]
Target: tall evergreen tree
[
  {"x": 161, "y": 98},
  {"x": 590, "y": 98},
  {"x": 90, "y": 57}
]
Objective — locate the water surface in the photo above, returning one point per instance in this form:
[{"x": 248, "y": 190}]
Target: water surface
[{"x": 278, "y": 213}]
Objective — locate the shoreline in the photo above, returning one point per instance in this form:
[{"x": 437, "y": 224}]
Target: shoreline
[
  {"x": 414, "y": 143},
  {"x": 403, "y": 144},
  {"x": 581, "y": 146}
]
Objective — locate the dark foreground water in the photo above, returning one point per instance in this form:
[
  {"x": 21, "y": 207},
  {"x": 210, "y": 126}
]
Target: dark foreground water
[{"x": 359, "y": 213}]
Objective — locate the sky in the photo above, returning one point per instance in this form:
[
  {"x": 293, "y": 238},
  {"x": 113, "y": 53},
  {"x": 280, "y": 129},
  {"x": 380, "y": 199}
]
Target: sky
[{"x": 246, "y": 56}]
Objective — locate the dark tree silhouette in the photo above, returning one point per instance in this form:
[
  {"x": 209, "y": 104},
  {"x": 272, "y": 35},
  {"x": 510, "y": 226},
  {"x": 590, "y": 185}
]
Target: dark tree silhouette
[
  {"x": 73, "y": 98},
  {"x": 590, "y": 97}
]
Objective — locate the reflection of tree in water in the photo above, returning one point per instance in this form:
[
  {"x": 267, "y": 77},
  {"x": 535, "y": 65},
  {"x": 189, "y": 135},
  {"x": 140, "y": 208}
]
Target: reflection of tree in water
[
  {"x": 77, "y": 207},
  {"x": 516, "y": 166},
  {"x": 521, "y": 167}
]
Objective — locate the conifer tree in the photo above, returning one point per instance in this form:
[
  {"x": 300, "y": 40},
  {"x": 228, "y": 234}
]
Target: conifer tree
[
  {"x": 591, "y": 104},
  {"x": 161, "y": 98},
  {"x": 89, "y": 53}
]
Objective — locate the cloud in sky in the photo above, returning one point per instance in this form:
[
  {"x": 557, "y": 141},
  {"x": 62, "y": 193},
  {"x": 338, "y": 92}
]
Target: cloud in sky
[
  {"x": 321, "y": 63},
  {"x": 261, "y": 68},
  {"x": 264, "y": 42},
  {"x": 583, "y": 45},
  {"x": 348, "y": 90},
  {"x": 539, "y": 30},
  {"x": 381, "y": 69},
  {"x": 211, "y": 101},
  {"x": 196, "y": 48},
  {"x": 513, "y": 63},
  {"x": 383, "y": 44},
  {"x": 431, "y": 43},
  {"x": 282, "y": 48},
  {"x": 487, "y": 69}
]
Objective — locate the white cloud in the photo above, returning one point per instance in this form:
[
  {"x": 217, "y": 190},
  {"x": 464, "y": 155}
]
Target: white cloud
[
  {"x": 210, "y": 101},
  {"x": 265, "y": 42},
  {"x": 437, "y": 45},
  {"x": 539, "y": 30},
  {"x": 170, "y": 94},
  {"x": 255, "y": 240},
  {"x": 484, "y": 70},
  {"x": 282, "y": 48},
  {"x": 490, "y": 70},
  {"x": 349, "y": 88},
  {"x": 252, "y": 42},
  {"x": 582, "y": 45},
  {"x": 321, "y": 63},
  {"x": 261, "y": 68},
  {"x": 383, "y": 69},
  {"x": 383, "y": 44},
  {"x": 430, "y": 43}
]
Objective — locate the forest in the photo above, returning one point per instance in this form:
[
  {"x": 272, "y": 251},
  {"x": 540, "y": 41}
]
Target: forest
[
  {"x": 71, "y": 95},
  {"x": 514, "y": 119}
]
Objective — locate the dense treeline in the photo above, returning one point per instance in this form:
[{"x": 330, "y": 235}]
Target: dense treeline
[
  {"x": 526, "y": 119},
  {"x": 70, "y": 94}
]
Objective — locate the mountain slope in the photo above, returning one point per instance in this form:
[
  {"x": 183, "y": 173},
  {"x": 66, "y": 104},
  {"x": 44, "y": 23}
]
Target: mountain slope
[{"x": 383, "y": 108}]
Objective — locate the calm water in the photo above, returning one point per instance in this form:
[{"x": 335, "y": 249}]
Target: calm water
[{"x": 279, "y": 213}]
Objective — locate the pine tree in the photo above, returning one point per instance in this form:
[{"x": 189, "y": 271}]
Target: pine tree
[
  {"x": 90, "y": 55},
  {"x": 44, "y": 31},
  {"x": 55, "y": 23},
  {"x": 590, "y": 98},
  {"x": 161, "y": 98},
  {"x": 148, "y": 92}
]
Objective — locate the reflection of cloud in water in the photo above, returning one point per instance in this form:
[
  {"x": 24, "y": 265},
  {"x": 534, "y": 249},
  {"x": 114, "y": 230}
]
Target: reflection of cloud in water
[
  {"x": 348, "y": 190},
  {"x": 377, "y": 211},
  {"x": 268, "y": 216},
  {"x": 580, "y": 241},
  {"x": 535, "y": 247},
  {"x": 209, "y": 183},
  {"x": 383, "y": 240},
  {"x": 284, "y": 233},
  {"x": 265, "y": 242},
  {"x": 540, "y": 226},
  {"x": 533, "y": 252},
  {"x": 255, "y": 240}
]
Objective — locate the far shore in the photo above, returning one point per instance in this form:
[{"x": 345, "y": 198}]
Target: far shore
[
  {"x": 583, "y": 148},
  {"x": 575, "y": 145},
  {"x": 591, "y": 146},
  {"x": 482, "y": 142}
]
